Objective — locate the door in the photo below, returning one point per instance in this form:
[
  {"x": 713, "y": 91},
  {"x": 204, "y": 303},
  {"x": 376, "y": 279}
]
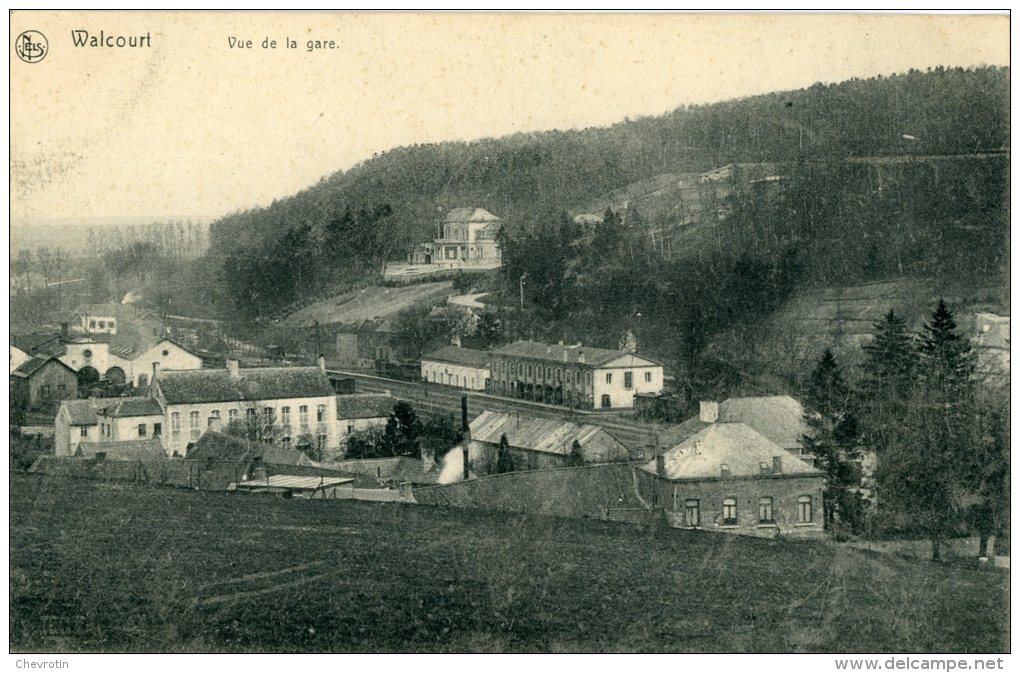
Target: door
[
  {"x": 606, "y": 403},
  {"x": 692, "y": 513}
]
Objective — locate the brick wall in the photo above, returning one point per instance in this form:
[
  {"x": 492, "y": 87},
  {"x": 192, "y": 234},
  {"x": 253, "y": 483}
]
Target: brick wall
[{"x": 710, "y": 494}]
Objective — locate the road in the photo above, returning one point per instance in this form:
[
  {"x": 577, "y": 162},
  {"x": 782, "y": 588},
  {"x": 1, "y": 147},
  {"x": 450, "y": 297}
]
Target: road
[{"x": 435, "y": 399}]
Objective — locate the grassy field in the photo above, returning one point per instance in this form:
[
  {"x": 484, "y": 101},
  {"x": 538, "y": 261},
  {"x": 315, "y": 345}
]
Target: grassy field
[
  {"x": 122, "y": 568},
  {"x": 371, "y": 302}
]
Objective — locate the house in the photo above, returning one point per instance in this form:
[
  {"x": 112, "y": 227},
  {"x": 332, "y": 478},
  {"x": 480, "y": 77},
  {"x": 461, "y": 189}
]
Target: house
[
  {"x": 129, "y": 419},
  {"x": 217, "y": 446},
  {"x": 458, "y": 367},
  {"x": 127, "y": 357},
  {"x": 285, "y": 405},
  {"x": 536, "y": 443},
  {"x": 361, "y": 345},
  {"x": 573, "y": 375},
  {"x": 40, "y": 383},
  {"x": 730, "y": 478},
  {"x": 138, "y": 450},
  {"x": 467, "y": 236},
  {"x": 98, "y": 318},
  {"x": 76, "y": 421},
  {"x": 18, "y": 357},
  {"x": 780, "y": 418},
  {"x": 360, "y": 411},
  {"x": 388, "y": 472}
]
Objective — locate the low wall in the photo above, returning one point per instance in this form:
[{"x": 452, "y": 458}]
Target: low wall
[{"x": 590, "y": 491}]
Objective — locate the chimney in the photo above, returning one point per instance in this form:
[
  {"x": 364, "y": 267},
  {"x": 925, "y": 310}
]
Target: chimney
[
  {"x": 428, "y": 460},
  {"x": 464, "y": 415},
  {"x": 724, "y": 470},
  {"x": 64, "y": 329},
  {"x": 322, "y": 363},
  {"x": 777, "y": 464},
  {"x": 233, "y": 368},
  {"x": 709, "y": 412},
  {"x": 561, "y": 342},
  {"x": 660, "y": 465},
  {"x": 580, "y": 357},
  {"x": 455, "y": 340},
  {"x": 155, "y": 371}
]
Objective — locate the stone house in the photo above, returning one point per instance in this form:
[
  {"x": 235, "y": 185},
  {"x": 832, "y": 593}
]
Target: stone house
[
  {"x": 730, "y": 478},
  {"x": 41, "y": 383},
  {"x": 573, "y": 375},
  {"x": 287, "y": 405},
  {"x": 465, "y": 368},
  {"x": 360, "y": 411}
]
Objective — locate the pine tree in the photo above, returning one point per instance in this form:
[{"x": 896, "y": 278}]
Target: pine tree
[
  {"x": 947, "y": 356},
  {"x": 833, "y": 440},
  {"x": 890, "y": 360}
]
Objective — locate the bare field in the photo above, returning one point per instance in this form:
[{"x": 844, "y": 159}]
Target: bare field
[{"x": 105, "y": 567}]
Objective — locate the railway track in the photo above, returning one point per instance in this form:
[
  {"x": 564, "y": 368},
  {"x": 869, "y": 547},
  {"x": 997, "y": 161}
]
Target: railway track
[{"x": 438, "y": 400}]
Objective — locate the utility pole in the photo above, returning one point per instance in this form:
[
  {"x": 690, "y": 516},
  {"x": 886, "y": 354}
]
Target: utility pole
[
  {"x": 522, "y": 290},
  {"x": 318, "y": 347}
]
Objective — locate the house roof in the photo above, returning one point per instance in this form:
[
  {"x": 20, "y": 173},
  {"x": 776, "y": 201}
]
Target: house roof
[
  {"x": 83, "y": 412},
  {"x": 780, "y": 418},
  {"x": 364, "y": 405},
  {"x": 468, "y": 357},
  {"x": 399, "y": 468},
  {"x": 45, "y": 343},
  {"x": 126, "y": 407},
  {"x": 471, "y": 215},
  {"x": 531, "y": 432},
  {"x": 743, "y": 451},
  {"x": 30, "y": 367},
  {"x": 288, "y": 482},
  {"x": 138, "y": 449},
  {"x": 571, "y": 354},
  {"x": 264, "y": 383}
]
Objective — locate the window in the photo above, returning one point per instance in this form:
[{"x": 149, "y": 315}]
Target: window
[
  {"x": 520, "y": 369},
  {"x": 249, "y": 414},
  {"x": 648, "y": 377},
  {"x": 267, "y": 415},
  {"x": 285, "y": 442},
  {"x": 320, "y": 413},
  {"x": 46, "y": 391},
  {"x": 559, "y": 375},
  {"x": 530, "y": 371},
  {"x": 765, "y": 510},
  {"x": 729, "y": 512},
  {"x": 804, "y": 507},
  {"x": 193, "y": 424},
  {"x": 350, "y": 428},
  {"x": 113, "y": 324},
  {"x": 165, "y": 353},
  {"x": 61, "y": 387},
  {"x": 141, "y": 429},
  {"x": 570, "y": 377},
  {"x": 157, "y": 429},
  {"x": 548, "y": 374},
  {"x": 303, "y": 411},
  {"x": 589, "y": 378},
  {"x": 84, "y": 431},
  {"x": 232, "y": 415},
  {"x": 692, "y": 513},
  {"x": 628, "y": 380},
  {"x": 102, "y": 324},
  {"x": 87, "y": 353},
  {"x": 285, "y": 415},
  {"x": 609, "y": 377},
  {"x": 175, "y": 423},
  {"x": 92, "y": 324},
  {"x": 320, "y": 442}
]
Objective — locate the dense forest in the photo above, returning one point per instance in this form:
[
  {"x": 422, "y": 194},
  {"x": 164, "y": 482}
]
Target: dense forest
[{"x": 348, "y": 224}]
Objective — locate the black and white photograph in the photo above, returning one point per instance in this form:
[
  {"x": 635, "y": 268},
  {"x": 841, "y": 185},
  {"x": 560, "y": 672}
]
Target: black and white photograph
[{"x": 509, "y": 332}]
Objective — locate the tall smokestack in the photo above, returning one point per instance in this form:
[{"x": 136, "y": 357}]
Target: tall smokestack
[
  {"x": 464, "y": 415},
  {"x": 660, "y": 465}
]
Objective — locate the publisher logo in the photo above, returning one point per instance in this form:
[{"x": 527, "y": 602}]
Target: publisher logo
[{"x": 32, "y": 46}]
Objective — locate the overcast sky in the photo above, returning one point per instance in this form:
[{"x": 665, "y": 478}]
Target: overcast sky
[{"x": 192, "y": 127}]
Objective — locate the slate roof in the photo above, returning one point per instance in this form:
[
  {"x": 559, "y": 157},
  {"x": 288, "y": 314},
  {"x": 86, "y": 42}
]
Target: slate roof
[
  {"x": 364, "y": 405},
  {"x": 30, "y": 367},
  {"x": 83, "y": 412},
  {"x": 556, "y": 353},
  {"x": 530, "y": 432},
  {"x": 126, "y": 407},
  {"x": 471, "y": 215},
  {"x": 398, "y": 469},
  {"x": 267, "y": 383},
  {"x": 138, "y": 449},
  {"x": 468, "y": 357},
  {"x": 738, "y": 447},
  {"x": 780, "y": 418},
  {"x": 45, "y": 343}
]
